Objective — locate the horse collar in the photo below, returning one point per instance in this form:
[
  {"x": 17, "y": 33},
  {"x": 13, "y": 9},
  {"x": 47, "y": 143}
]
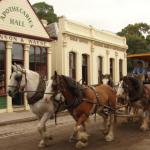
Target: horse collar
[{"x": 39, "y": 92}]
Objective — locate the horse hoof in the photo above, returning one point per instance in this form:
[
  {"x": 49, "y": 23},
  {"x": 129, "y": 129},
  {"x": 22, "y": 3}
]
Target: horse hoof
[
  {"x": 41, "y": 144},
  {"x": 109, "y": 138},
  {"x": 81, "y": 144},
  {"x": 144, "y": 128}
]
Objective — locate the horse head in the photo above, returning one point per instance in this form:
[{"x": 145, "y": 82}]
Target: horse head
[
  {"x": 17, "y": 80},
  {"x": 70, "y": 89},
  {"x": 130, "y": 88},
  {"x": 107, "y": 79}
]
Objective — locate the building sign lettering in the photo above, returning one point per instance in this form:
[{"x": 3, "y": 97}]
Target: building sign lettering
[
  {"x": 22, "y": 40},
  {"x": 13, "y": 21},
  {"x": 17, "y": 22}
]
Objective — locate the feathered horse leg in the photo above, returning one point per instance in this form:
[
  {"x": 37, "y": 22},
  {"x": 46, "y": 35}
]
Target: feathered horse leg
[
  {"x": 42, "y": 130},
  {"x": 145, "y": 121},
  {"x": 82, "y": 135},
  {"x": 110, "y": 136}
]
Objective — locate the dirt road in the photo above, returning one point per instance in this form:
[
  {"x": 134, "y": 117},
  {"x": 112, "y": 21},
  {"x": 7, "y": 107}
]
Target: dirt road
[{"x": 25, "y": 137}]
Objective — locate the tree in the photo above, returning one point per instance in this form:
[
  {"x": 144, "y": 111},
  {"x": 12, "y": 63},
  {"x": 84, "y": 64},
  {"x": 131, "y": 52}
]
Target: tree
[
  {"x": 45, "y": 11},
  {"x": 138, "y": 38}
]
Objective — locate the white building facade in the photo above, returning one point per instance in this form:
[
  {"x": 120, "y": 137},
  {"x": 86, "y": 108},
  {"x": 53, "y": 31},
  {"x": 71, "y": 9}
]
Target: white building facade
[
  {"x": 23, "y": 40},
  {"x": 85, "y": 53}
]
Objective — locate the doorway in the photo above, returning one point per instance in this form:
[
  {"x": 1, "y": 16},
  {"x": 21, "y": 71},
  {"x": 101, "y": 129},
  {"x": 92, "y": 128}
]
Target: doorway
[{"x": 18, "y": 58}]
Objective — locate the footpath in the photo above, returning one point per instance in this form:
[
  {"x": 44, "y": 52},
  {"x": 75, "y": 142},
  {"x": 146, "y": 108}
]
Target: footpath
[
  {"x": 16, "y": 117},
  {"x": 19, "y": 117}
]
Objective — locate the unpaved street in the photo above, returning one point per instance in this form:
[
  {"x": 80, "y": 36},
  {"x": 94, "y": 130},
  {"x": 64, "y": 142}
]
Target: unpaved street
[{"x": 24, "y": 136}]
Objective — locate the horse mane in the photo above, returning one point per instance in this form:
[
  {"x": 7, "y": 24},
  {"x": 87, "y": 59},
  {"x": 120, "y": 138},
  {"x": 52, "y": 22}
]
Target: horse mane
[
  {"x": 73, "y": 86},
  {"x": 137, "y": 88}
]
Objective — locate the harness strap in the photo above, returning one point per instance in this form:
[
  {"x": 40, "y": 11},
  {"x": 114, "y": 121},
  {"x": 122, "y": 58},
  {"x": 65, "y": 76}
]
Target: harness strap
[{"x": 97, "y": 99}]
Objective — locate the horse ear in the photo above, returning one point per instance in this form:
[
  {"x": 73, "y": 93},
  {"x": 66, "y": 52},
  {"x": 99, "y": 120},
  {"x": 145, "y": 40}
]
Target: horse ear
[
  {"x": 55, "y": 73},
  {"x": 14, "y": 68},
  {"x": 19, "y": 67}
]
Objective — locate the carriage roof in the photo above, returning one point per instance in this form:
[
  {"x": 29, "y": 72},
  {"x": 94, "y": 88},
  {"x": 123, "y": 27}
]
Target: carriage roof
[{"x": 140, "y": 56}]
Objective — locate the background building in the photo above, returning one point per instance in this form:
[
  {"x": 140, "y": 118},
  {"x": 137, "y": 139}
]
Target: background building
[
  {"x": 83, "y": 52},
  {"x": 24, "y": 40}
]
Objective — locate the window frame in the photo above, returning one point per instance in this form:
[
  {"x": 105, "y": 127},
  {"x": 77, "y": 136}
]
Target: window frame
[
  {"x": 72, "y": 69},
  {"x": 100, "y": 68},
  {"x": 35, "y": 60}
]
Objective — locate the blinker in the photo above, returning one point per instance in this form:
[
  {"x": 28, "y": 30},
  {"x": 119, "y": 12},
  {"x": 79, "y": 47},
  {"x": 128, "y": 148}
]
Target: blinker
[{"x": 18, "y": 77}]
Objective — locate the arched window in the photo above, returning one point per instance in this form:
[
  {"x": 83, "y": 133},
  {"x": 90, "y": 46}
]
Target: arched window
[
  {"x": 120, "y": 68},
  {"x": 38, "y": 60},
  {"x": 84, "y": 69},
  {"x": 112, "y": 68},
  {"x": 2, "y": 69},
  {"x": 72, "y": 65},
  {"x": 100, "y": 69}
]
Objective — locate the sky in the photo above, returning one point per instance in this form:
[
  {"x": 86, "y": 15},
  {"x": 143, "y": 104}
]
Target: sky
[{"x": 111, "y": 15}]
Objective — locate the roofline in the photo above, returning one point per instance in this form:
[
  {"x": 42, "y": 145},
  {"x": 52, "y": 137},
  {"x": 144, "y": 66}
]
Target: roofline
[{"x": 39, "y": 20}]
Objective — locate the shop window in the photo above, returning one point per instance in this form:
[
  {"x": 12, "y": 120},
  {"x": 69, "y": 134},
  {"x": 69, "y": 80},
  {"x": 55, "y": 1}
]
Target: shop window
[
  {"x": 120, "y": 69},
  {"x": 100, "y": 69},
  {"x": 2, "y": 69},
  {"x": 18, "y": 58},
  {"x": 17, "y": 54},
  {"x": 38, "y": 60},
  {"x": 72, "y": 65}
]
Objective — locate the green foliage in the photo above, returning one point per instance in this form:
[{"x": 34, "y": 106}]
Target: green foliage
[
  {"x": 45, "y": 11},
  {"x": 138, "y": 39}
]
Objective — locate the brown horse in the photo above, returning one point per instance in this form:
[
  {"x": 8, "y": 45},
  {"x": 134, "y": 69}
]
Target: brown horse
[
  {"x": 81, "y": 101},
  {"x": 137, "y": 95}
]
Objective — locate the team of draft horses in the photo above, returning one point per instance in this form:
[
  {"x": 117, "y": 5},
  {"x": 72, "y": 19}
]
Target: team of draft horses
[{"x": 62, "y": 92}]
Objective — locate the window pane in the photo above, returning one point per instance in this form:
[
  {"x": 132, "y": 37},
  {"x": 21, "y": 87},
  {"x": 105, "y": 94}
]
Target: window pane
[
  {"x": 120, "y": 69},
  {"x": 43, "y": 62},
  {"x": 31, "y": 59},
  {"x": 17, "y": 52},
  {"x": 72, "y": 65},
  {"x": 43, "y": 55},
  {"x": 2, "y": 68},
  {"x": 38, "y": 60},
  {"x": 100, "y": 65}
]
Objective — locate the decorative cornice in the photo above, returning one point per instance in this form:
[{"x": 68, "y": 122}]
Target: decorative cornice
[{"x": 96, "y": 42}]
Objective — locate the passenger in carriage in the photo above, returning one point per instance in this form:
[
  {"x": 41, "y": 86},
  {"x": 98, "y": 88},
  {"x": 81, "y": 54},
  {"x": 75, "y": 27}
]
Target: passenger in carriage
[
  {"x": 148, "y": 73},
  {"x": 139, "y": 69}
]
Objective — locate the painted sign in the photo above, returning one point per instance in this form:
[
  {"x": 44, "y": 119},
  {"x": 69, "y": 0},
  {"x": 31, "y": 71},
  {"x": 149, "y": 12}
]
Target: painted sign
[
  {"x": 18, "y": 16},
  {"x": 15, "y": 39},
  {"x": 15, "y": 21}
]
